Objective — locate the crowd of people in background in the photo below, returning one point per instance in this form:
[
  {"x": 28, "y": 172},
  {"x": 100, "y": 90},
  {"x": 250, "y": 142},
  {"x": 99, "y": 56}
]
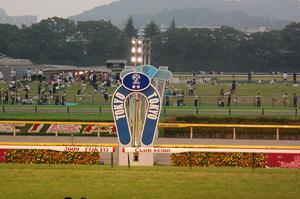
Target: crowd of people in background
[{"x": 54, "y": 88}]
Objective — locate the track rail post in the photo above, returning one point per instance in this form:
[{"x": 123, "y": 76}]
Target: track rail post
[
  {"x": 112, "y": 160},
  {"x": 191, "y": 132},
  {"x": 277, "y": 134},
  {"x": 233, "y": 134}
]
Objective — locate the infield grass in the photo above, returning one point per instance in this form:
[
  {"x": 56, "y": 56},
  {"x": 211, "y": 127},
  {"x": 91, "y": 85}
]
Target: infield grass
[{"x": 59, "y": 181}]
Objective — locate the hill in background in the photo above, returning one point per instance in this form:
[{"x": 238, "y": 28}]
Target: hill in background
[
  {"x": 204, "y": 17},
  {"x": 119, "y": 11},
  {"x": 16, "y": 20}
]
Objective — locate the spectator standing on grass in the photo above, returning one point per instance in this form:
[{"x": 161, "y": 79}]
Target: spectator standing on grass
[
  {"x": 1, "y": 95},
  {"x": 57, "y": 99},
  {"x": 167, "y": 100},
  {"x": 6, "y": 97},
  {"x": 13, "y": 74},
  {"x": 295, "y": 100},
  {"x": 295, "y": 77},
  {"x": 39, "y": 88},
  {"x": 285, "y": 78},
  {"x": 105, "y": 95},
  {"x": 190, "y": 89},
  {"x": 220, "y": 102},
  {"x": 221, "y": 93},
  {"x": 26, "y": 94},
  {"x": 12, "y": 97},
  {"x": 233, "y": 85},
  {"x": 63, "y": 99},
  {"x": 1, "y": 77},
  {"x": 40, "y": 75},
  {"x": 229, "y": 100},
  {"x": 249, "y": 77},
  {"x": 178, "y": 98},
  {"x": 258, "y": 100},
  {"x": 29, "y": 74},
  {"x": 284, "y": 99}
]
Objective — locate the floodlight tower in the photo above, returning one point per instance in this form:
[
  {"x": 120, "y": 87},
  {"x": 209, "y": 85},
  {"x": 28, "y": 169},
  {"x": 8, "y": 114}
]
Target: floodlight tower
[
  {"x": 147, "y": 51},
  {"x": 136, "y": 111}
]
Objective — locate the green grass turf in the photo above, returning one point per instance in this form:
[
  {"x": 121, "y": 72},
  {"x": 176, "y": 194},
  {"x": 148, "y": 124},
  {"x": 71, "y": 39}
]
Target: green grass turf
[{"x": 59, "y": 181}]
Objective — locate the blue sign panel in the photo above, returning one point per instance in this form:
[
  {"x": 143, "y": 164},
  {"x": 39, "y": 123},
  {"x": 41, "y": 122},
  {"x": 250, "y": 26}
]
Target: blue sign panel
[
  {"x": 120, "y": 116},
  {"x": 148, "y": 70},
  {"x": 136, "y": 81}
]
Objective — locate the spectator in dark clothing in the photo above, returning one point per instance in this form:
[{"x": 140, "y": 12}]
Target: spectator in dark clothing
[
  {"x": 295, "y": 100},
  {"x": 56, "y": 99},
  {"x": 221, "y": 93},
  {"x": 249, "y": 77},
  {"x": 105, "y": 95},
  {"x": 229, "y": 100},
  {"x": 39, "y": 88},
  {"x": 13, "y": 98},
  {"x": 167, "y": 100},
  {"x": 6, "y": 97},
  {"x": 196, "y": 101},
  {"x": 1, "y": 95},
  {"x": 258, "y": 100},
  {"x": 295, "y": 77},
  {"x": 63, "y": 99},
  {"x": 94, "y": 80},
  {"x": 233, "y": 85},
  {"x": 54, "y": 89}
]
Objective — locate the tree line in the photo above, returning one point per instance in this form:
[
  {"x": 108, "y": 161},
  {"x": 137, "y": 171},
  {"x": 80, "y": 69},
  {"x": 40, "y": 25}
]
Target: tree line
[{"x": 63, "y": 41}]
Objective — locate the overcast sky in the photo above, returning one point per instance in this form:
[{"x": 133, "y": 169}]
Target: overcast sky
[{"x": 49, "y": 8}]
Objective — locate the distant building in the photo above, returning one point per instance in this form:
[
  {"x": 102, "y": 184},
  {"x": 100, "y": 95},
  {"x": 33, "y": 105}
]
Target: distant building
[
  {"x": 116, "y": 65},
  {"x": 20, "y": 65}
]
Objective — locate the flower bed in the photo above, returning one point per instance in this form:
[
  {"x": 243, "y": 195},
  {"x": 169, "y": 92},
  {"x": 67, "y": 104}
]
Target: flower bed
[
  {"x": 3, "y": 155},
  {"x": 236, "y": 160},
  {"x": 218, "y": 160},
  {"x": 283, "y": 160},
  {"x": 50, "y": 157},
  {"x": 180, "y": 159}
]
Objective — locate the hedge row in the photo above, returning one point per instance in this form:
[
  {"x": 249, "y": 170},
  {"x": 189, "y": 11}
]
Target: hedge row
[
  {"x": 219, "y": 160},
  {"x": 226, "y": 133},
  {"x": 232, "y": 120}
]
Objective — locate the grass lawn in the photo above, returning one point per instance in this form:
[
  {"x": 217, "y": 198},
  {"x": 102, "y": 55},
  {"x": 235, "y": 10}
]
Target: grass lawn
[{"x": 59, "y": 181}]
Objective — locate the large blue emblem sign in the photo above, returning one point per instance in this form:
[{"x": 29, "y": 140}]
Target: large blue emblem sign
[{"x": 136, "y": 82}]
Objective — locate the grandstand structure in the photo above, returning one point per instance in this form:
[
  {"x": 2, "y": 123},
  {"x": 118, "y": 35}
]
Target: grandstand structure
[{"x": 7, "y": 64}]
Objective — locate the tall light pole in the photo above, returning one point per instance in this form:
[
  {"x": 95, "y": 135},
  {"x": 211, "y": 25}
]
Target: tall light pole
[
  {"x": 135, "y": 112},
  {"x": 147, "y": 51}
]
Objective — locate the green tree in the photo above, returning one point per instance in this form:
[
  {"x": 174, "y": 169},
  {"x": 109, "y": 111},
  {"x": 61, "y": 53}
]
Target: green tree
[
  {"x": 129, "y": 30},
  {"x": 151, "y": 30},
  {"x": 172, "y": 25},
  {"x": 7, "y": 33}
]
